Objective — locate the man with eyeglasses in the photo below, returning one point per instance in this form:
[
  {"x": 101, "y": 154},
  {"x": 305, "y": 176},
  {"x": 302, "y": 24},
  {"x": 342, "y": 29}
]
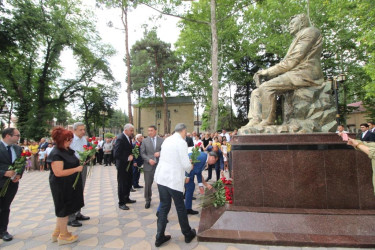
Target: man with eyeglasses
[
  {"x": 9, "y": 152},
  {"x": 79, "y": 140}
]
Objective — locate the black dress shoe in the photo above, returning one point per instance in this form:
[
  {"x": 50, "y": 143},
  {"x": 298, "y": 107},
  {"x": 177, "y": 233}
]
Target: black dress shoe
[
  {"x": 75, "y": 223},
  {"x": 148, "y": 204},
  {"x": 193, "y": 198},
  {"x": 139, "y": 186},
  {"x": 6, "y": 236},
  {"x": 124, "y": 207},
  {"x": 132, "y": 190},
  {"x": 190, "y": 236},
  {"x": 82, "y": 217},
  {"x": 162, "y": 240},
  {"x": 191, "y": 211},
  {"x": 130, "y": 201}
]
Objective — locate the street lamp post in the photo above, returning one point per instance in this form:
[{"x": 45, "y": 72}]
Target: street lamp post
[
  {"x": 336, "y": 80},
  {"x": 104, "y": 114},
  {"x": 197, "y": 118}
]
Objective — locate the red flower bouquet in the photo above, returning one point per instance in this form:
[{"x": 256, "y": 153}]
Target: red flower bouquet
[{"x": 17, "y": 166}]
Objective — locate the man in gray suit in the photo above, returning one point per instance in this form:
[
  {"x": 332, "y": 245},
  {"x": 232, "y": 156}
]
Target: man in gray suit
[
  {"x": 150, "y": 152},
  {"x": 9, "y": 152}
]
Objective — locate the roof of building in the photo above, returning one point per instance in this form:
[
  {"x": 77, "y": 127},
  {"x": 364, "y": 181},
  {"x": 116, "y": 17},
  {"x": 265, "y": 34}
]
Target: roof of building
[
  {"x": 358, "y": 105},
  {"x": 171, "y": 100}
]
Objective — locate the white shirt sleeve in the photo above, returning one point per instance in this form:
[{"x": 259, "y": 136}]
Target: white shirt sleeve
[{"x": 184, "y": 157}]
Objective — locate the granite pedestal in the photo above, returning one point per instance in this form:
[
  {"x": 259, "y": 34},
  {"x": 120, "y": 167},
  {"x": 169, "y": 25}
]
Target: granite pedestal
[{"x": 297, "y": 190}]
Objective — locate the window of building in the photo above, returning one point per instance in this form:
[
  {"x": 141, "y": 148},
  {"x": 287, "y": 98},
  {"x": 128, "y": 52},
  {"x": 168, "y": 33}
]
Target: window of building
[{"x": 158, "y": 114}]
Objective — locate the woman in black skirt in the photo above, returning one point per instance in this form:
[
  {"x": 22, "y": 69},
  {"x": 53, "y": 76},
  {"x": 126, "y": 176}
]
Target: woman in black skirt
[{"x": 67, "y": 200}]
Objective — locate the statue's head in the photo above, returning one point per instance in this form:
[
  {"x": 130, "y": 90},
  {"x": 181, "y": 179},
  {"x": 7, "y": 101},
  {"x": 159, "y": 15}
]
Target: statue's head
[{"x": 298, "y": 22}]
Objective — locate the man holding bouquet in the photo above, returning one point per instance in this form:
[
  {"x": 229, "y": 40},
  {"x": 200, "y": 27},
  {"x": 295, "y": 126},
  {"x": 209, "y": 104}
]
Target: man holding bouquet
[
  {"x": 170, "y": 176},
  {"x": 78, "y": 143},
  {"x": 9, "y": 152},
  {"x": 202, "y": 159},
  {"x": 124, "y": 157}
]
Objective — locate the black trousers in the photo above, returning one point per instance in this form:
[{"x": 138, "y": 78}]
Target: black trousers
[
  {"x": 124, "y": 183},
  {"x": 107, "y": 159},
  {"x": 166, "y": 195},
  {"x": 217, "y": 171},
  {"x": 136, "y": 176},
  {"x": 100, "y": 156},
  {"x": 5, "y": 203}
]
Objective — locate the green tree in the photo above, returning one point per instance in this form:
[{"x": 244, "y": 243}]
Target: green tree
[
  {"x": 117, "y": 121},
  {"x": 30, "y": 68},
  {"x": 124, "y": 6},
  {"x": 157, "y": 59}
]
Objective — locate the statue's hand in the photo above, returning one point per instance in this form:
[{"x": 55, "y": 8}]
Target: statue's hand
[{"x": 257, "y": 80}]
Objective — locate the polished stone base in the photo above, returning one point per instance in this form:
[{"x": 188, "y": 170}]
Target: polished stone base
[
  {"x": 288, "y": 227},
  {"x": 296, "y": 189}
]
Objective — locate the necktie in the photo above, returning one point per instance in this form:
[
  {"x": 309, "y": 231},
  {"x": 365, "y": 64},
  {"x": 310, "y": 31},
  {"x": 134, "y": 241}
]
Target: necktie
[
  {"x": 10, "y": 154},
  {"x": 154, "y": 142}
]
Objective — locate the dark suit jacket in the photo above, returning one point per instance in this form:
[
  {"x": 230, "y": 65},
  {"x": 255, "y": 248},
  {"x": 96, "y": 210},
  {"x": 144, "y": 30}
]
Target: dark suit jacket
[
  {"x": 220, "y": 162},
  {"x": 122, "y": 150},
  {"x": 368, "y": 137},
  {"x": 189, "y": 141},
  {"x": 147, "y": 152},
  {"x": 5, "y": 161}
]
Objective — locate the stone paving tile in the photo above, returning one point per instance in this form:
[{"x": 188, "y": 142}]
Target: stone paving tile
[{"x": 33, "y": 219}]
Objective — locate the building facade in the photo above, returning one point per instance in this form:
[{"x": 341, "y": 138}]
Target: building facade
[{"x": 180, "y": 110}]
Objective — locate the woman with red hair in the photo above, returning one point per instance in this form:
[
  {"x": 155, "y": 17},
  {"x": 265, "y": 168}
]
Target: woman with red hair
[{"x": 67, "y": 200}]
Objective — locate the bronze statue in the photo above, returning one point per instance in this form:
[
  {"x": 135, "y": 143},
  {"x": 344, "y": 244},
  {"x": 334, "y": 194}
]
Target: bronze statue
[{"x": 299, "y": 69}]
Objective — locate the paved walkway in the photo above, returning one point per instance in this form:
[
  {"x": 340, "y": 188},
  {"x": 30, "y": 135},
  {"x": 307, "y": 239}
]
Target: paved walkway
[{"x": 33, "y": 219}]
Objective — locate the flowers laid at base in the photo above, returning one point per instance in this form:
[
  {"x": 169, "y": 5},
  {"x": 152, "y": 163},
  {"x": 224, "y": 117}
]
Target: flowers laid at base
[
  {"x": 86, "y": 156},
  {"x": 18, "y": 166},
  {"x": 220, "y": 195}
]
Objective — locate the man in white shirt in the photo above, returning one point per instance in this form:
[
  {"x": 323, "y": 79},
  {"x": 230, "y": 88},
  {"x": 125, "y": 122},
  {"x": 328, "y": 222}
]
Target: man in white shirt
[
  {"x": 77, "y": 144},
  {"x": 170, "y": 177},
  {"x": 341, "y": 129},
  {"x": 224, "y": 133},
  {"x": 100, "y": 151}
]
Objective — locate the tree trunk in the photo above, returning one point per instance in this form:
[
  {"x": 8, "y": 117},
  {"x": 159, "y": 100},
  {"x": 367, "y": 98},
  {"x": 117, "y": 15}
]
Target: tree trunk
[
  {"x": 165, "y": 105},
  {"x": 86, "y": 117},
  {"x": 129, "y": 81},
  {"x": 214, "y": 114}
]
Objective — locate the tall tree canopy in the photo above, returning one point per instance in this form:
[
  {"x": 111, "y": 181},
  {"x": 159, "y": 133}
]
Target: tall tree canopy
[
  {"x": 155, "y": 67},
  {"x": 36, "y": 33}
]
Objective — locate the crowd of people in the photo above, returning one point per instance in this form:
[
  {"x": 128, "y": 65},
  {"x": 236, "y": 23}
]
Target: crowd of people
[
  {"x": 59, "y": 154},
  {"x": 367, "y": 133}
]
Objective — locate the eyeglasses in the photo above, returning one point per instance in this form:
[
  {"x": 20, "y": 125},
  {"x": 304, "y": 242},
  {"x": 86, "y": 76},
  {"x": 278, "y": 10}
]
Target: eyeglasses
[
  {"x": 69, "y": 139},
  {"x": 17, "y": 135}
]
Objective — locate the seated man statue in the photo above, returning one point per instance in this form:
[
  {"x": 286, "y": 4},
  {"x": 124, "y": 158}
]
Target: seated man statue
[{"x": 300, "y": 68}]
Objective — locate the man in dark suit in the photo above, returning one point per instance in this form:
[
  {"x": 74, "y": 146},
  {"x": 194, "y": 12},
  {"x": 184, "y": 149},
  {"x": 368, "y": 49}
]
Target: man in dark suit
[
  {"x": 219, "y": 165},
  {"x": 150, "y": 152},
  {"x": 371, "y": 125},
  {"x": 9, "y": 152},
  {"x": 203, "y": 158},
  {"x": 366, "y": 134},
  {"x": 123, "y": 156},
  {"x": 189, "y": 140}
]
